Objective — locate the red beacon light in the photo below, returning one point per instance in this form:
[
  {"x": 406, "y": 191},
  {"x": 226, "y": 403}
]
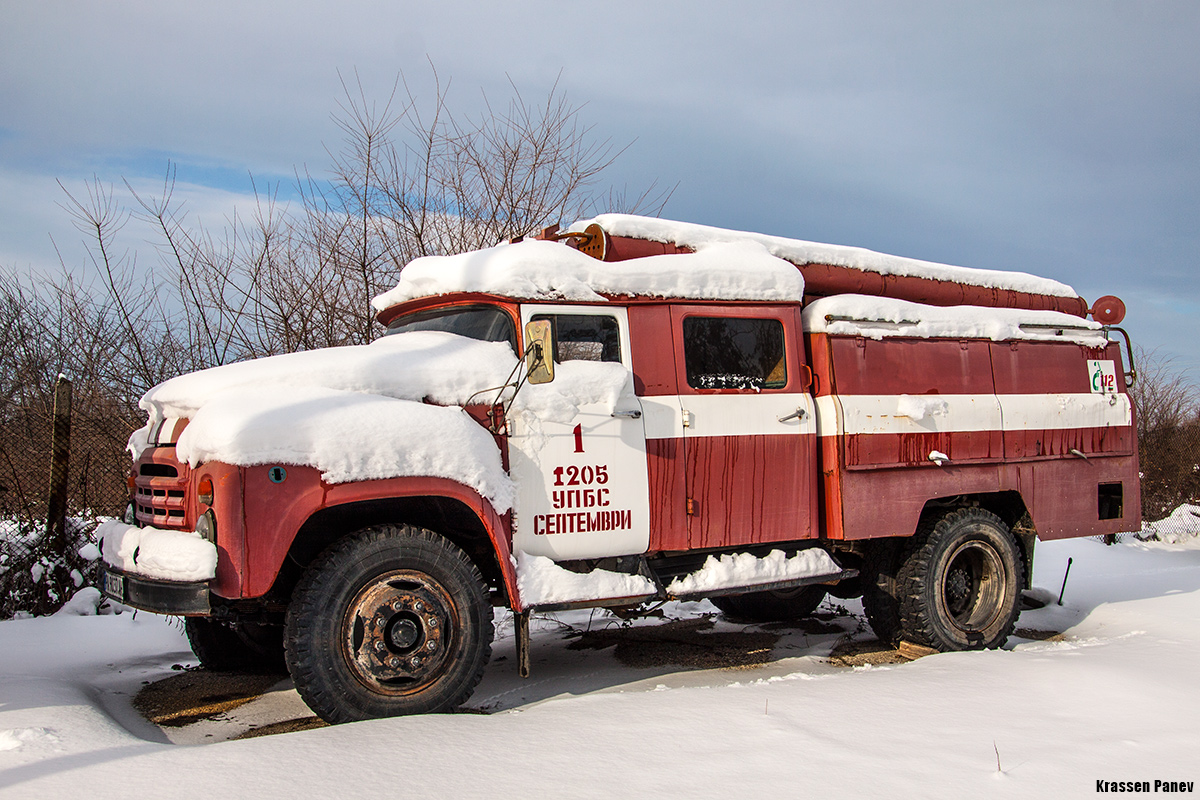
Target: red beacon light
[{"x": 1108, "y": 310}]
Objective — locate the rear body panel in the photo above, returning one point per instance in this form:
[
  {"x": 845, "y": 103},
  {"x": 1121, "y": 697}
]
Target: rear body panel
[{"x": 1007, "y": 416}]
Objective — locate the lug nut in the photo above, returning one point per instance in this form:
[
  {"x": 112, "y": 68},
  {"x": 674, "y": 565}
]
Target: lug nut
[
  {"x": 432, "y": 622},
  {"x": 431, "y": 646},
  {"x": 416, "y": 662},
  {"x": 397, "y": 605},
  {"x": 393, "y": 662},
  {"x": 419, "y": 606},
  {"x": 380, "y": 646}
]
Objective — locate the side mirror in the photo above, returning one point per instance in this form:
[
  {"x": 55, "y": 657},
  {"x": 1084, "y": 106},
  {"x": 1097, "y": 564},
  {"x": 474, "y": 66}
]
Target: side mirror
[{"x": 539, "y": 361}]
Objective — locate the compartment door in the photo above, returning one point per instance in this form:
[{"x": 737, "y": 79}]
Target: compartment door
[{"x": 749, "y": 429}]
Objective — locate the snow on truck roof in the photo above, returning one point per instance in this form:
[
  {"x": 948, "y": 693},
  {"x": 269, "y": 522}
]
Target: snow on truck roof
[
  {"x": 885, "y": 317},
  {"x": 543, "y": 270},
  {"x": 725, "y": 265},
  {"x": 798, "y": 251}
]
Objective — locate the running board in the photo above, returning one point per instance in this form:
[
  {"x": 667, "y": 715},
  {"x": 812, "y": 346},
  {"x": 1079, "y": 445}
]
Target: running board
[
  {"x": 602, "y": 602},
  {"x": 773, "y": 586},
  {"x": 633, "y": 600}
]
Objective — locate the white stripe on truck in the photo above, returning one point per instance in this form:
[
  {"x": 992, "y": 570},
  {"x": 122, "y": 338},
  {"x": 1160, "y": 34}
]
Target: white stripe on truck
[{"x": 867, "y": 414}]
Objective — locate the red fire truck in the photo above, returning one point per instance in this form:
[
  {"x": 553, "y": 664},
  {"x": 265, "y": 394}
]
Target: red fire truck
[{"x": 776, "y": 421}]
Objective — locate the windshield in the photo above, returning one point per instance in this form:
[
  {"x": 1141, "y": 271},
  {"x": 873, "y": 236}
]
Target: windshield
[{"x": 486, "y": 323}]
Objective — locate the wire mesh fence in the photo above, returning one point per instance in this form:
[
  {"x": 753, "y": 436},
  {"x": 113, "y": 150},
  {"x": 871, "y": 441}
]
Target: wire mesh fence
[
  {"x": 41, "y": 563},
  {"x": 1170, "y": 468}
]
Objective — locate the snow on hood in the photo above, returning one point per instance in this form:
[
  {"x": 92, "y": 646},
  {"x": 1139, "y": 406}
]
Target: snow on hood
[
  {"x": 544, "y": 270},
  {"x": 798, "y": 251},
  {"x": 881, "y": 317},
  {"x": 442, "y": 367},
  {"x": 388, "y": 409}
]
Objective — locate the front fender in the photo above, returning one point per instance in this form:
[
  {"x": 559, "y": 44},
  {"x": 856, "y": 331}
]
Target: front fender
[{"x": 278, "y": 505}]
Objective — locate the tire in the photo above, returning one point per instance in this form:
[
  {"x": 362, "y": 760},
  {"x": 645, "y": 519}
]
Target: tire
[
  {"x": 244, "y": 647},
  {"x": 391, "y": 620},
  {"x": 772, "y": 606},
  {"x": 960, "y": 582}
]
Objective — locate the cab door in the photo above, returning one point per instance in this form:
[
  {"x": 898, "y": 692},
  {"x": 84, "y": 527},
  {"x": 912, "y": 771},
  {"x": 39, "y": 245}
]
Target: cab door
[
  {"x": 748, "y": 427},
  {"x": 581, "y": 481}
]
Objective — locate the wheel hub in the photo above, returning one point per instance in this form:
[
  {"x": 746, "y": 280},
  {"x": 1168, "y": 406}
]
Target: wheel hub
[
  {"x": 972, "y": 586},
  {"x": 959, "y": 591},
  {"x": 396, "y": 632},
  {"x": 404, "y": 633}
]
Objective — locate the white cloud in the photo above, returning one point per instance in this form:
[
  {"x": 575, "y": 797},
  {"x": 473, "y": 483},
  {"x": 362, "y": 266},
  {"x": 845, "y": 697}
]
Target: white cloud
[{"x": 1058, "y": 139}]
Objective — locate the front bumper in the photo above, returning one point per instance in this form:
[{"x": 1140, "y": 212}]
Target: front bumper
[{"x": 160, "y": 597}]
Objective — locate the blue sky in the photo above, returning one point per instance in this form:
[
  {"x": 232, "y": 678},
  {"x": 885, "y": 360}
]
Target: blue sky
[{"x": 1057, "y": 138}]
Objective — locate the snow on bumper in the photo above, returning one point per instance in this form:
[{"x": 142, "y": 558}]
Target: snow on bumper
[{"x": 162, "y": 555}]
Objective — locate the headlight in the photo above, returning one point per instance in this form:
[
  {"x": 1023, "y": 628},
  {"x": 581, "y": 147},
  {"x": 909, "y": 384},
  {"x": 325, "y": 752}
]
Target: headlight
[
  {"x": 130, "y": 518},
  {"x": 206, "y": 526}
]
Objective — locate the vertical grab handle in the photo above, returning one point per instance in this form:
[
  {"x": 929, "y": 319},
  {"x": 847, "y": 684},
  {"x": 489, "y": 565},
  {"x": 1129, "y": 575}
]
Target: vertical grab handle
[{"x": 1131, "y": 373}]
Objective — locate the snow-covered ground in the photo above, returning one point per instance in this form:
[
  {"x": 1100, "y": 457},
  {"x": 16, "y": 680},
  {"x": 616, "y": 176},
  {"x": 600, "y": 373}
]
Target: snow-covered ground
[{"x": 1112, "y": 699}]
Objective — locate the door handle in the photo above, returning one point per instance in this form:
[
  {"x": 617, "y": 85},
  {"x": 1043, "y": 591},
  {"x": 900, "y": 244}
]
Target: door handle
[
  {"x": 634, "y": 414},
  {"x": 799, "y": 413}
]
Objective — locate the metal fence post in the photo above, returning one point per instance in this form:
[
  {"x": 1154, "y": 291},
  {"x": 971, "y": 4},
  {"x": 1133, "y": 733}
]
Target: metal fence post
[{"x": 60, "y": 456}]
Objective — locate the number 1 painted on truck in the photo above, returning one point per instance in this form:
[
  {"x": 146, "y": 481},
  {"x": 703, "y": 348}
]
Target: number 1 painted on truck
[{"x": 579, "y": 438}]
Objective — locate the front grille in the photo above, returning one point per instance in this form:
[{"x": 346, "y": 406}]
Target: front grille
[{"x": 160, "y": 495}]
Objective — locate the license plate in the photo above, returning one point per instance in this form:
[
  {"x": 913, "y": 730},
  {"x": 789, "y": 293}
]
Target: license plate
[{"x": 114, "y": 586}]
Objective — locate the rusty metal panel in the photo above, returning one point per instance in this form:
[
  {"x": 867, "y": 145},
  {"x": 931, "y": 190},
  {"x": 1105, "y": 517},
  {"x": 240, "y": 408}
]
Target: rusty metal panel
[
  {"x": 888, "y": 502},
  {"x": 652, "y": 351},
  {"x": 668, "y": 517},
  {"x": 749, "y": 489},
  {"x": 911, "y": 366},
  {"x": 866, "y": 451},
  {"x": 1064, "y": 496}
]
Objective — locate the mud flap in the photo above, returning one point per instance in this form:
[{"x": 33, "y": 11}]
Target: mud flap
[{"x": 521, "y": 625}]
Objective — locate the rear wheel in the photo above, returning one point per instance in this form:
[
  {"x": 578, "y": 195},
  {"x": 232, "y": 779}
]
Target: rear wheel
[
  {"x": 772, "y": 606},
  {"x": 392, "y": 620},
  {"x": 959, "y": 584}
]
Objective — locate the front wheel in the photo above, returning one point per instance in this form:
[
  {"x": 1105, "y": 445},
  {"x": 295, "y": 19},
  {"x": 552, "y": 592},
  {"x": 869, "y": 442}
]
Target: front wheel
[
  {"x": 391, "y": 620},
  {"x": 959, "y": 586}
]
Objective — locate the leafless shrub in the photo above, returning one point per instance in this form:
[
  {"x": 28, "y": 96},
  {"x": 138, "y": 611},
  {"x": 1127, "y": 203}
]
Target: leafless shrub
[
  {"x": 409, "y": 179},
  {"x": 1168, "y": 423}
]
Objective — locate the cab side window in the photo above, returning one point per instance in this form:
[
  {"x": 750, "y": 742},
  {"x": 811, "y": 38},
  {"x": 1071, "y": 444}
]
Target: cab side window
[
  {"x": 734, "y": 353},
  {"x": 584, "y": 337}
]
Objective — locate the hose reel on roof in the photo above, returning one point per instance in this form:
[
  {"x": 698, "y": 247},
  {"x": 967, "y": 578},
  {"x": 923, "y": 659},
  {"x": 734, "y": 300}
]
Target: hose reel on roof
[{"x": 593, "y": 241}]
